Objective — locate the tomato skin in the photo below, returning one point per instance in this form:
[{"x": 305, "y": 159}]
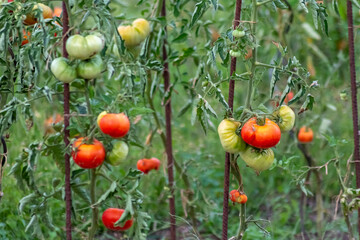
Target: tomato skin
[
  {"x": 91, "y": 68},
  {"x": 237, "y": 197},
  {"x": 46, "y": 12},
  {"x": 238, "y": 33},
  {"x": 286, "y": 118},
  {"x": 62, "y": 70},
  {"x": 145, "y": 165},
  {"x": 88, "y": 155},
  {"x": 136, "y": 33},
  {"x": 235, "y": 53},
  {"x": 80, "y": 47},
  {"x": 118, "y": 154},
  {"x": 305, "y": 135},
  {"x": 258, "y": 159},
  {"x": 111, "y": 215},
  {"x": 258, "y": 136},
  {"x": 230, "y": 141},
  {"x": 116, "y": 125}
]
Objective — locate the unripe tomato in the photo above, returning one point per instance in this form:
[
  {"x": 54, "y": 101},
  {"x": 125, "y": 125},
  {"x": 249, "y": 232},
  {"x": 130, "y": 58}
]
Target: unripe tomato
[
  {"x": 305, "y": 135},
  {"x": 31, "y": 18},
  {"x": 80, "y": 47},
  {"x": 261, "y": 136},
  {"x": 91, "y": 68},
  {"x": 88, "y": 155},
  {"x": 238, "y": 33},
  {"x": 237, "y": 197},
  {"x": 258, "y": 159},
  {"x": 111, "y": 215},
  {"x": 118, "y": 154},
  {"x": 145, "y": 165},
  {"x": 230, "y": 141},
  {"x": 235, "y": 53},
  {"x": 115, "y": 125},
  {"x": 136, "y": 33},
  {"x": 285, "y": 118},
  {"x": 62, "y": 70}
]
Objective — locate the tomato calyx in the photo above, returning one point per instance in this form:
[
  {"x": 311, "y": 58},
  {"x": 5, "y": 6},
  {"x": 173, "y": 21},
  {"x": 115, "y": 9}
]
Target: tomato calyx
[{"x": 260, "y": 121}]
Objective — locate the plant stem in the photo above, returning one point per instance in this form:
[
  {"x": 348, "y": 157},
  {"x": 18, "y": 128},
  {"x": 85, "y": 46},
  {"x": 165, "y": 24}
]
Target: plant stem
[
  {"x": 65, "y": 6},
  {"x": 242, "y": 225},
  {"x": 88, "y": 105},
  {"x": 356, "y": 155},
  {"x": 228, "y": 156},
  {"x": 95, "y": 210},
  {"x": 264, "y": 2}
]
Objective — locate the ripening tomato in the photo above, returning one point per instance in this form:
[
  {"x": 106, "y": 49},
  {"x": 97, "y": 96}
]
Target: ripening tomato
[
  {"x": 261, "y": 136},
  {"x": 285, "y": 118},
  {"x": 230, "y": 141},
  {"x": 31, "y": 18},
  {"x": 134, "y": 34},
  {"x": 111, "y": 215},
  {"x": 91, "y": 68},
  {"x": 115, "y": 125},
  {"x": 62, "y": 70},
  {"x": 88, "y": 155},
  {"x": 305, "y": 135},
  {"x": 258, "y": 159},
  {"x": 145, "y": 165},
  {"x": 288, "y": 97},
  {"x": 238, "y": 33},
  {"x": 49, "y": 122},
  {"x": 237, "y": 197},
  {"x": 118, "y": 154},
  {"x": 57, "y": 12},
  {"x": 80, "y": 47}
]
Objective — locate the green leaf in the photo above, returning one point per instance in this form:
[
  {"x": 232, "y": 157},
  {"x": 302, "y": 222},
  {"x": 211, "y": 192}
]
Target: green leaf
[
  {"x": 200, "y": 9},
  {"x": 308, "y": 104},
  {"x": 280, "y": 4},
  {"x": 26, "y": 200},
  {"x": 110, "y": 192},
  {"x": 298, "y": 95},
  {"x": 274, "y": 78},
  {"x": 181, "y": 38}
]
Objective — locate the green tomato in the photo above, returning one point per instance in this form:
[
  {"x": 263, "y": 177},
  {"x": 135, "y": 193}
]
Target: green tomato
[
  {"x": 62, "y": 70},
  {"x": 90, "y": 69},
  {"x": 80, "y": 47},
  {"x": 258, "y": 159},
  {"x": 230, "y": 141},
  {"x": 285, "y": 117},
  {"x": 118, "y": 154},
  {"x": 235, "y": 53},
  {"x": 238, "y": 33}
]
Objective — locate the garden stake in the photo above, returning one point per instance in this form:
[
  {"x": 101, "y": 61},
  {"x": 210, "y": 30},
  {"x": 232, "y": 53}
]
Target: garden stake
[
  {"x": 66, "y": 125},
  {"x": 356, "y": 156},
  {"x": 169, "y": 150},
  {"x": 227, "y": 155}
]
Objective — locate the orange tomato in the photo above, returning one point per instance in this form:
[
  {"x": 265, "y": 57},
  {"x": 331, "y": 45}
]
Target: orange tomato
[
  {"x": 26, "y": 36},
  {"x": 88, "y": 155},
  {"x": 145, "y": 165},
  {"x": 236, "y": 196},
  {"x": 115, "y": 125},
  {"x": 46, "y": 12},
  {"x": 305, "y": 135},
  {"x": 50, "y": 121},
  {"x": 261, "y": 136}
]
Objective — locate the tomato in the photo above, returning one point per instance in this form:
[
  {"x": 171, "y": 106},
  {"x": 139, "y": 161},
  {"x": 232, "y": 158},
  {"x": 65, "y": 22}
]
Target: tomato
[
  {"x": 91, "y": 68},
  {"x": 145, "y": 165},
  {"x": 115, "y": 125},
  {"x": 49, "y": 122},
  {"x": 134, "y": 34},
  {"x": 26, "y": 36},
  {"x": 62, "y": 70},
  {"x": 305, "y": 135},
  {"x": 285, "y": 118},
  {"x": 237, "y": 197},
  {"x": 111, "y": 215},
  {"x": 230, "y": 141},
  {"x": 249, "y": 54},
  {"x": 88, "y": 155},
  {"x": 118, "y": 154},
  {"x": 238, "y": 33},
  {"x": 31, "y": 18},
  {"x": 57, "y": 12},
  {"x": 261, "y": 136},
  {"x": 258, "y": 159},
  {"x": 80, "y": 47},
  {"x": 235, "y": 53}
]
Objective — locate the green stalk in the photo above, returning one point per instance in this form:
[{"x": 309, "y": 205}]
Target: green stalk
[
  {"x": 94, "y": 209},
  {"x": 242, "y": 225}
]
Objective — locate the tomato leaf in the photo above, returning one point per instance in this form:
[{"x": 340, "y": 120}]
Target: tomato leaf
[
  {"x": 308, "y": 104},
  {"x": 110, "y": 192},
  {"x": 200, "y": 9}
]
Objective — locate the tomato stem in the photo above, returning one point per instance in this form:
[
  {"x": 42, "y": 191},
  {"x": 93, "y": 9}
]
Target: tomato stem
[{"x": 94, "y": 208}]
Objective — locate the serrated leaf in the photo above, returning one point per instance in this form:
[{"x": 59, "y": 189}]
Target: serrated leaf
[
  {"x": 308, "y": 104},
  {"x": 111, "y": 191},
  {"x": 298, "y": 95},
  {"x": 274, "y": 78},
  {"x": 200, "y": 8}
]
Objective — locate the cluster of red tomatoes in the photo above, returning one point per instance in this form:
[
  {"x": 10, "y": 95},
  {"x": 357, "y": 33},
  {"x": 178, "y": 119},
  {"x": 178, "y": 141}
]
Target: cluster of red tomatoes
[{"x": 91, "y": 154}]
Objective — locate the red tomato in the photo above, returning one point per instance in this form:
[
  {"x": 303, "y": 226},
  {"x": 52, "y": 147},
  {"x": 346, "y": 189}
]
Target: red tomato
[
  {"x": 145, "y": 165},
  {"x": 261, "y": 136},
  {"x": 305, "y": 135},
  {"x": 111, "y": 216},
  {"x": 236, "y": 196},
  {"x": 115, "y": 125},
  {"x": 88, "y": 155},
  {"x": 26, "y": 36}
]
